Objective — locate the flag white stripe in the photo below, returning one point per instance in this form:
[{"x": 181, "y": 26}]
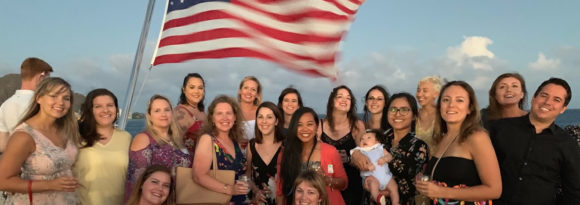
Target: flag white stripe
[{"x": 305, "y": 26}]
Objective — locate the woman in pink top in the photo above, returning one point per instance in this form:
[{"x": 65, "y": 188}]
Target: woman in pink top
[{"x": 303, "y": 151}]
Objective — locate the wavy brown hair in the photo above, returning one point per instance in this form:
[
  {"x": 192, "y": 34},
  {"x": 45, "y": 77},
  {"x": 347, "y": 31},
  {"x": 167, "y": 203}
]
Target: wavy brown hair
[
  {"x": 237, "y": 132},
  {"x": 472, "y": 122},
  {"x": 350, "y": 115},
  {"x": 493, "y": 109},
  {"x": 317, "y": 182}
]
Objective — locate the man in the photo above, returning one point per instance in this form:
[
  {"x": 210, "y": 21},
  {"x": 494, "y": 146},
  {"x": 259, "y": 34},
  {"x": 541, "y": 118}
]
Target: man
[
  {"x": 539, "y": 161},
  {"x": 32, "y": 71}
]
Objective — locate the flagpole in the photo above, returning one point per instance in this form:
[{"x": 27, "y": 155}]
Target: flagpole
[{"x": 136, "y": 65}]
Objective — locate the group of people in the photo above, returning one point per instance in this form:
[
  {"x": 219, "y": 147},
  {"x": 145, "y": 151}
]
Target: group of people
[{"x": 436, "y": 146}]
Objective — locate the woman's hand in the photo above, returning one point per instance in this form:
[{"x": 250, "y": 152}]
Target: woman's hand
[
  {"x": 261, "y": 196},
  {"x": 361, "y": 161},
  {"x": 240, "y": 188},
  {"x": 66, "y": 183},
  {"x": 429, "y": 189}
]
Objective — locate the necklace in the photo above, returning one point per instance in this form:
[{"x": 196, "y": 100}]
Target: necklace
[{"x": 168, "y": 141}]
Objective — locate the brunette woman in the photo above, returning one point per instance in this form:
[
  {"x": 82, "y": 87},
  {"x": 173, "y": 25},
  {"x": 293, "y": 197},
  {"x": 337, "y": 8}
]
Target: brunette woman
[
  {"x": 375, "y": 111},
  {"x": 189, "y": 111},
  {"x": 507, "y": 97},
  {"x": 464, "y": 167},
  {"x": 342, "y": 129},
  {"x": 288, "y": 102},
  {"x": 303, "y": 152},
  {"x": 101, "y": 166},
  {"x": 263, "y": 153}
]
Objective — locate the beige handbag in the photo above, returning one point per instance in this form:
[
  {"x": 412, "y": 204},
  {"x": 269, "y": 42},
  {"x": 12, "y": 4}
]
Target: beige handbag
[{"x": 189, "y": 192}]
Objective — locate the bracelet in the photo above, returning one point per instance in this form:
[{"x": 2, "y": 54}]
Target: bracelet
[{"x": 30, "y": 191}]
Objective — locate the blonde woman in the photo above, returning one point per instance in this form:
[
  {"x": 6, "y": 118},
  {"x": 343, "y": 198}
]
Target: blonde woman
[
  {"x": 37, "y": 163},
  {"x": 427, "y": 92},
  {"x": 160, "y": 143},
  {"x": 249, "y": 97}
]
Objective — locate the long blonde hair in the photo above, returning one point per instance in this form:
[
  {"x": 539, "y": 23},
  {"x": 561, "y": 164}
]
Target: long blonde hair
[
  {"x": 66, "y": 125},
  {"x": 175, "y": 133}
]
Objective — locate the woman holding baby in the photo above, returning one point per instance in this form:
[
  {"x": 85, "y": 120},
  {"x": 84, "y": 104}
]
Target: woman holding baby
[{"x": 409, "y": 154}]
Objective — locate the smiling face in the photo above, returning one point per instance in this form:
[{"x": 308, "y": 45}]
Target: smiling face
[
  {"x": 266, "y": 121},
  {"x": 548, "y": 103},
  {"x": 248, "y": 91},
  {"x": 342, "y": 100},
  {"x": 455, "y": 104},
  {"x": 509, "y": 91},
  {"x": 161, "y": 113},
  {"x": 104, "y": 110},
  {"x": 55, "y": 103},
  {"x": 223, "y": 117},
  {"x": 375, "y": 101},
  {"x": 306, "y": 194},
  {"x": 194, "y": 90},
  {"x": 400, "y": 114},
  {"x": 290, "y": 103},
  {"x": 426, "y": 93},
  {"x": 155, "y": 189},
  {"x": 306, "y": 130}
]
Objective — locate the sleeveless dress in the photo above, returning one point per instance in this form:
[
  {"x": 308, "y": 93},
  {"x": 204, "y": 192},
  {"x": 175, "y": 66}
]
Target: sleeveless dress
[
  {"x": 454, "y": 172},
  {"x": 353, "y": 193},
  {"x": 154, "y": 153},
  {"x": 264, "y": 174},
  {"x": 225, "y": 161},
  {"x": 192, "y": 133},
  {"x": 47, "y": 162}
]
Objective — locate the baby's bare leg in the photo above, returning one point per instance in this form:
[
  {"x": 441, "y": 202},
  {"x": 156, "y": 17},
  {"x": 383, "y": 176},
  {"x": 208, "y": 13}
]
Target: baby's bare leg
[
  {"x": 372, "y": 185},
  {"x": 394, "y": 190}
]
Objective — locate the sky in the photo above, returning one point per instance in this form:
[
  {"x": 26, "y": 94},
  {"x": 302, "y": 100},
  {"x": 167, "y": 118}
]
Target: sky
[{"x": 92, "y": 44}]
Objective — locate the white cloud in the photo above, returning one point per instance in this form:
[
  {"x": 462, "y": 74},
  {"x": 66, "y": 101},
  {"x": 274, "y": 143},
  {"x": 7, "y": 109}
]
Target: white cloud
[
  {"x": 543, "y": 63},
  {"x": 473, "y": 51}
]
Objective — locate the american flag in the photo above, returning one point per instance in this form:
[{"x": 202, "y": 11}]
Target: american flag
[{"x": 302, "y": 35}]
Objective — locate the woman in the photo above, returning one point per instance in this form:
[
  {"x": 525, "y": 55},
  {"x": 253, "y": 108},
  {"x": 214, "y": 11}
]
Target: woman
[
  {"x": 161, "y": 143},
  {"x": 101, "y": 166},
  {"x": 507, "y": 97},
  {"x": 249, "y": 97},
  {"x": 303, "y": 152},
  {"x": 342, "y": 129},
  {"x": 310, "y": 189},
  {"x": 375, "y": 111},
  {"x": 37, "y": 162},
  {"x": 288, "y": 101},
  {"x": 464, "y": 166},
  {"x": 427, "y": 91},
  {"x": 263, "y": 152},
  {"x": 410, "y": 154},
  {"x": 222, "y": 135},
  {"x": 189, "y": 112},
  {"x": 153, "y": 187}
]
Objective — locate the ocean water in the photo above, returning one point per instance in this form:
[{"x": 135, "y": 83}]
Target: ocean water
[{"x": 570, "y": 117}]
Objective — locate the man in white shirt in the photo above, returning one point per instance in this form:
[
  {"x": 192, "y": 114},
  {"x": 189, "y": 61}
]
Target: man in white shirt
[{"x": 32, "y": 71}]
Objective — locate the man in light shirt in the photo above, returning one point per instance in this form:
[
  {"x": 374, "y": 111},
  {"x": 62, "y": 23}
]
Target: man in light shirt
[{"x": 32, "y": 71}]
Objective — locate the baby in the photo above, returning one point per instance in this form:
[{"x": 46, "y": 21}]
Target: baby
[{"x": 380, "y": 177}]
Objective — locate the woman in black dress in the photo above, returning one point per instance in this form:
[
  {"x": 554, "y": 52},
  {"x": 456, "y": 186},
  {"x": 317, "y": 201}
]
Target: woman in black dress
[{"x": 262, "y": 154}]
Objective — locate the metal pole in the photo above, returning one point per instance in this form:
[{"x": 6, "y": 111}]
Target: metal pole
[{"x": 136, "y": 65}]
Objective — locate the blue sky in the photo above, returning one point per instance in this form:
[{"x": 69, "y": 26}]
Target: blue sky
[{"x": 394, "y": 43}]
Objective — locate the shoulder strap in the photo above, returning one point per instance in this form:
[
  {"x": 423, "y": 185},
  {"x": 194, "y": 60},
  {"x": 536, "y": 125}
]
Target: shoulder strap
[
  {"x": 214, "y": 157},
  {"x": 438, "y": 159}
]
